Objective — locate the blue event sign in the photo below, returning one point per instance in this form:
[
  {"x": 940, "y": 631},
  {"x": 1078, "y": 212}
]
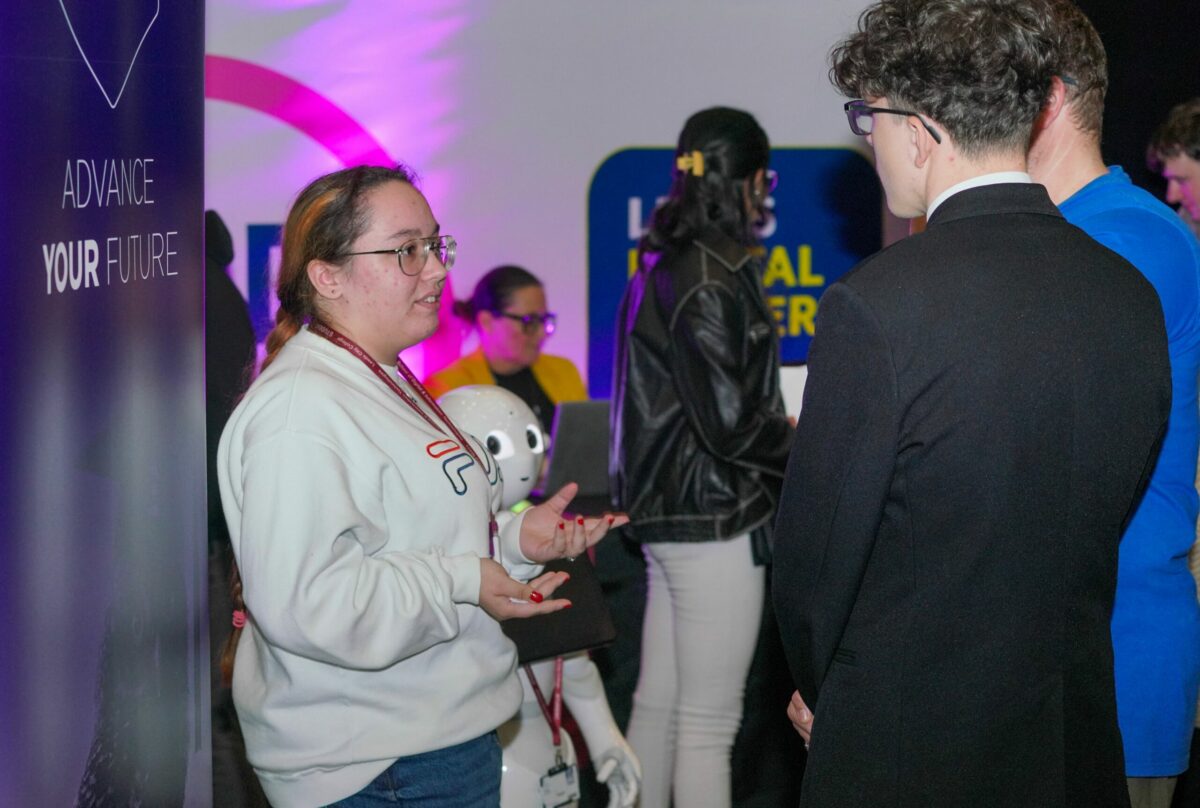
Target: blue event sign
[
  {"x": 823, "y": 218},
  {"x": 261, "y": 239}
]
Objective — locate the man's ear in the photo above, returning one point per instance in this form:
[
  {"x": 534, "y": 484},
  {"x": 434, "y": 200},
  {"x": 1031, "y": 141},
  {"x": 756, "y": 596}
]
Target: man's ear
[
  {"x": 921, "y": 141},
  {"x": 326, "y": 278},
  {"x": 1053, "y": 106}
]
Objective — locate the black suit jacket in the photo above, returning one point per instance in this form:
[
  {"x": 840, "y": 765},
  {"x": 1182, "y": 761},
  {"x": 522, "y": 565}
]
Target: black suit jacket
[{"x": 984, "y": 405}]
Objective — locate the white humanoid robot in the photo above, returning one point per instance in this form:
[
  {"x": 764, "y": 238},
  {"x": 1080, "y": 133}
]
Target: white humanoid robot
[{"x": 535, "y": 772}]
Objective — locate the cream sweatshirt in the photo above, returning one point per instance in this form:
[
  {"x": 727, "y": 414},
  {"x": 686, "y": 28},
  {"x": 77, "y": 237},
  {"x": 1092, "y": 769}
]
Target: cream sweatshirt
[{"x": 358, "y": 530}]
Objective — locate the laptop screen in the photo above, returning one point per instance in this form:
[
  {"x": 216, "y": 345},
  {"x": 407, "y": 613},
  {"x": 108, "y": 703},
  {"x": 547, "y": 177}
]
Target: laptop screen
[{"x": 579, "y": 454}]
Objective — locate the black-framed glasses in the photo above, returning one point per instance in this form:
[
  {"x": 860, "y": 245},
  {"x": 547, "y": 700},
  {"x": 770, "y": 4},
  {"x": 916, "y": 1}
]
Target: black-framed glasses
[
  {"x": 862, "y": 118},
  {"x": 530, "y": 323},
  {"x": 414, "y": 253}
]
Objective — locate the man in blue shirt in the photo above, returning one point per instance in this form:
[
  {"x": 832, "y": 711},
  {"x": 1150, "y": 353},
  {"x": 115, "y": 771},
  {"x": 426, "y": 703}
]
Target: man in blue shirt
[{"x": 1156, "y": 620}]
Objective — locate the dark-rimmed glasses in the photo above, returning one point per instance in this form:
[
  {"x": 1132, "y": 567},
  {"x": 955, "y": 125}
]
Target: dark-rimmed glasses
[
  {"x": 414, "y": 253},
  {"x": 862, "y": 118},
  {"x": 530, "y": 323}
]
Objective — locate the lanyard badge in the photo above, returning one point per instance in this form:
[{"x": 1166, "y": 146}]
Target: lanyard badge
[{"x": 560, "y": 785}]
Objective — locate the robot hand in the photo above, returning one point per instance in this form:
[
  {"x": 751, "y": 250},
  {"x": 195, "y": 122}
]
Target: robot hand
[
  {"x": 618, "y": 768},
  {"x": 616, "y": 764}
]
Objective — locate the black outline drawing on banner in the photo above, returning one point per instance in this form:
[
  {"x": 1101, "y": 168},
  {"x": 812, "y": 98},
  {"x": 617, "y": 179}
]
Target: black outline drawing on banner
[{"x": 111, "y": 103}]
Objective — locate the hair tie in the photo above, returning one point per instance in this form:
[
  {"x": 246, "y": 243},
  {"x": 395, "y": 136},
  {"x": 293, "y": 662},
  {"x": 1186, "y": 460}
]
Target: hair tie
[
  {"x": 239, "y": 618},
  {"x": 692, "y": 163}
]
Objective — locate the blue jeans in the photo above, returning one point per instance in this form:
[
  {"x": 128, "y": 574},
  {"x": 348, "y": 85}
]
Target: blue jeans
[{"x": 463, "y": 776}]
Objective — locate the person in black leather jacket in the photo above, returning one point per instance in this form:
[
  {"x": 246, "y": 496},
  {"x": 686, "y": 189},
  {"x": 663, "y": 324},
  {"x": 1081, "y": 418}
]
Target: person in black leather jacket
[{"x": 700, "y": 439}]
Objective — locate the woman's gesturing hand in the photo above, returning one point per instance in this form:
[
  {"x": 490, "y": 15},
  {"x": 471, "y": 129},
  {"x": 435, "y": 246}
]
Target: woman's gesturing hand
[
  {"x": 503, "y": 597},
  {"x": 547, "y": 535}
]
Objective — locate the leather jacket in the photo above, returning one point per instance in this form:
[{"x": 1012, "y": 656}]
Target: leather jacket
[{"x": 700, "y": 437}]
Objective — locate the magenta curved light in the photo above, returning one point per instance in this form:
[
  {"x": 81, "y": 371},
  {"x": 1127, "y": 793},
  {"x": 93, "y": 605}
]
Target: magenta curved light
[
  {"x": 262, "y": 89},
  {"x": 287, "y": 100}
]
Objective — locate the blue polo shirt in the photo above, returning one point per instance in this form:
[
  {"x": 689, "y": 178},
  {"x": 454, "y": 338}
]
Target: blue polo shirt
[{"x": 1156, "y": 620}]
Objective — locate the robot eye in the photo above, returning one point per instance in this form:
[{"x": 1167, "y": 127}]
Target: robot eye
[
  {"x": 533, "y": 435},
  {"x": 499, "y": 444}
]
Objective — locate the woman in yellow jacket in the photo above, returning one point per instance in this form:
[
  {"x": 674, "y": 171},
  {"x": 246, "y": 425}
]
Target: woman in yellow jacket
[{"x": 508, "y": 307}]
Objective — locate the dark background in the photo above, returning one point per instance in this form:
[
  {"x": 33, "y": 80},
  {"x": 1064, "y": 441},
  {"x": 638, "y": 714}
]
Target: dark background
[{"x": 1153, "y": 63}]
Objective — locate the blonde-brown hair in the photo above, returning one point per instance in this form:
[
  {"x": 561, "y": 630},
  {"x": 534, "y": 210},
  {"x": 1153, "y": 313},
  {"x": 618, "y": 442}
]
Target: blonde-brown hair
[{"x": 326, "y": 218}]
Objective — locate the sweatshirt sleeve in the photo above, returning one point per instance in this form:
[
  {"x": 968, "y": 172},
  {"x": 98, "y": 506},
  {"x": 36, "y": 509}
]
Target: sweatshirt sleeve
[
  {"x": 510, "y": 556},
  {"x": 310, "y": 584}
]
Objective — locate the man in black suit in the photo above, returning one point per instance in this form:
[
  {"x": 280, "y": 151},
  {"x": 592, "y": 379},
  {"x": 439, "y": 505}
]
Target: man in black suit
[{"x": 984, "y": 404}]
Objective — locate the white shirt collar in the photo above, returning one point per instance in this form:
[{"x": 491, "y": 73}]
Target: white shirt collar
[{"x": 995, "y": 178}]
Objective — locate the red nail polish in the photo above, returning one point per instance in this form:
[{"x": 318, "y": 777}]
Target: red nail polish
[
  {"x": 567, "y": 604},
  {"x": 610, "y": 520},
  {"x": 536, "y": 596},
  {"x": 562, "y": 526},
  {"x": 579, "y": 520}
]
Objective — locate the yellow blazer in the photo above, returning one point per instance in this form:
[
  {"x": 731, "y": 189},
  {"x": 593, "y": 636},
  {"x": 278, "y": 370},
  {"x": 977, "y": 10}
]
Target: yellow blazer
[{"x": 557, "y": 376}]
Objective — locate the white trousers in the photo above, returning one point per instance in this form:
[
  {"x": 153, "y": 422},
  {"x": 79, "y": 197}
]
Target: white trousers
[{"x": 704, "y": 604}]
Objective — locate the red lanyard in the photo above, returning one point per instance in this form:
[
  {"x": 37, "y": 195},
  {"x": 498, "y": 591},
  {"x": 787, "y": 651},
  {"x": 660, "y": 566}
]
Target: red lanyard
[
  {"x": 552, "y": 711},
  {"x": 342, "y": 341}
]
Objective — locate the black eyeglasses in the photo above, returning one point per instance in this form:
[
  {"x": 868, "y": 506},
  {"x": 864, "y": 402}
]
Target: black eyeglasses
[
  {"x": 413, "y": 254},
  {"x": 862, "y": 118},
  {"x": 530, "y": 323}
]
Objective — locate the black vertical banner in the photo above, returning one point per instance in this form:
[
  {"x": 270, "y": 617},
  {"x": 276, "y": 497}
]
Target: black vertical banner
[{"x": 103, "y": 650}]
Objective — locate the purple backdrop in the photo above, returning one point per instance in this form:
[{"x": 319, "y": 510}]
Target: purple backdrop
[{"x": 103, "y": 678}]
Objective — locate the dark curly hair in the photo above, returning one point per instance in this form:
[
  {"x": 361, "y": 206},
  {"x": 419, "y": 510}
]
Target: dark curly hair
[
  {"x": 1178, "y": 134},
  {"x": 733, "y": 147},
  {"x": 979, "y": 68}
]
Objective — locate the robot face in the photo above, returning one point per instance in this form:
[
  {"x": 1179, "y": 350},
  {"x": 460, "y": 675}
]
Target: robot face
[{"x": 507, "y": 427}]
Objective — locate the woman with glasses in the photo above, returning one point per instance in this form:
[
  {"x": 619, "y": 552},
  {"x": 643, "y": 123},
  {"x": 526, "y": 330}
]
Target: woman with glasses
[
  {"x": 699, "y": 443},
  {"x": 508, "y": 307},
  {"x": 369, "y": 660}
]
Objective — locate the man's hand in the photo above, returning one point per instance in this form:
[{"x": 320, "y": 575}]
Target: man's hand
[{"x": 801, "y": 717}]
